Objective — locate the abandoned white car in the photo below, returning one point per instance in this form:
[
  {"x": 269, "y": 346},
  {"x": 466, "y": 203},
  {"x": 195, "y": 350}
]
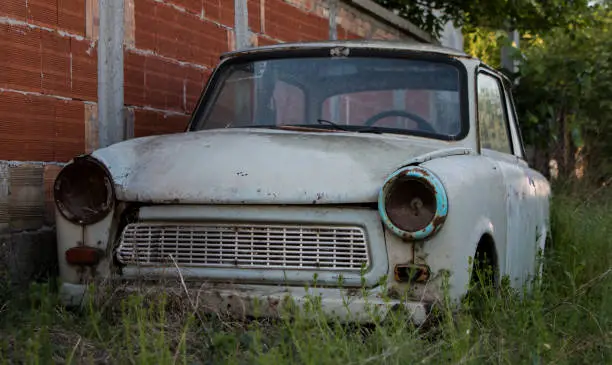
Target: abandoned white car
[{"x": 359, "y": 164}]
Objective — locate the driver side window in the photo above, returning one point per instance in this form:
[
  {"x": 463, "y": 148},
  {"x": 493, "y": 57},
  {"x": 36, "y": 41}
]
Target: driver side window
[{"x": 492, "y": 118}]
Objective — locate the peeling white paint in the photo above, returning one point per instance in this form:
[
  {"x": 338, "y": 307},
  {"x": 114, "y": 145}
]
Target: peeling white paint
[
  {"x": 92, "y": 45},
  {"x": 218, "y": 178}
]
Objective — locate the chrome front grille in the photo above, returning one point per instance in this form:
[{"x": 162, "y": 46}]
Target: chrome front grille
[{"x": 245, "y": 246}]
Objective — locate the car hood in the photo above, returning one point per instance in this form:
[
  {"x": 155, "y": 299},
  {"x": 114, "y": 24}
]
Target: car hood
[{"x": 256, "y": 166}]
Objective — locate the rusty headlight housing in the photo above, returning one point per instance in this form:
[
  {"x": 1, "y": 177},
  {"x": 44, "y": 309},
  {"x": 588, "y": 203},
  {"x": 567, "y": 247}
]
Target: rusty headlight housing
[
  {"x": 83, "y": 191},
  {"x": 413, "y": 203}
]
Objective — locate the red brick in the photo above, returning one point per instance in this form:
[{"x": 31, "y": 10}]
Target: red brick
[
  {"x": 71, "y": 16},
  {"x": 220, "y": 11},
  {"x": 175, "y": 87},
  {"x": 265, "y": 41},
  {"x": 168, "y": 40},
  {"x": 42, "y": 12},
  {"x": 134, "y": 73},
  {"x": 288, "y": 23},
  {"x": 13, "y": 9},
  {"x": 155, "y": 82},
  {"x": 195, "y": 80},
  {"x": 205, "y": 43},
  {"x": 148, "y": 123},
  {"x": 68, "y": 15},
  {"x": 55, "y": 64},
  {"x": 84, "y": 70},
  {"x": 145, "y": 23},
  {"x": 40, "y": 128},
  {"x": 175, "y": 34},
  {"x": 192, "y": 6},
  {"x": 313, "y": 27},
  {"x": 166, "y": 85},
  {"x": 69, "y": 130},
  {"x": 20, "y": 59},
  {"x": 254, "y": 10},
  {"x": 46, "y": 62}
]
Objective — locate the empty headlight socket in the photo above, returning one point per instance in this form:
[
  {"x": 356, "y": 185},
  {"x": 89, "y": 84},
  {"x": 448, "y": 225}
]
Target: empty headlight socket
[{"x": 411, "y": 273}]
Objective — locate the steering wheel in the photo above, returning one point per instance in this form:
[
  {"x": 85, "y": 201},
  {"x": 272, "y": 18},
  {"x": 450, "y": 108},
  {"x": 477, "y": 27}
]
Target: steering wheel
[{"x": 422, "y": 124}]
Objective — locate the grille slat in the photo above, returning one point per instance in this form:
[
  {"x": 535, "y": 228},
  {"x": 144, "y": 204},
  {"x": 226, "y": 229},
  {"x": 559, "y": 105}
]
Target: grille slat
[{"x": 245, "y": 246}]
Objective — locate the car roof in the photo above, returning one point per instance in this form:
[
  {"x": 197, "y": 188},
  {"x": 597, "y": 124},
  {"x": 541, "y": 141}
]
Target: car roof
[{"x": 382, "y": 45}]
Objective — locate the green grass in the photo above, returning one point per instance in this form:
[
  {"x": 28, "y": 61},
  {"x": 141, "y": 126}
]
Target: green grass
[{"x": 567, "y": 320}]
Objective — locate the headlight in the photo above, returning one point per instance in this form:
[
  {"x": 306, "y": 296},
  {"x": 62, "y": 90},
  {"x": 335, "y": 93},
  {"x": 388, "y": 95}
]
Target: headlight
[
  {"x": 413, "y": 203},
  {"x": 84, "y": 191}
]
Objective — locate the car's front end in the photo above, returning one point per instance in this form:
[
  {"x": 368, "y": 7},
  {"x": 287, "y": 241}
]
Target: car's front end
[{"x": 251, "y": 214}]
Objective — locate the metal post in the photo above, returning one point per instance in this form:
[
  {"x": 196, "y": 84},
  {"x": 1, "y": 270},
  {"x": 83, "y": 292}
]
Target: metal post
[
  {"x": 111, "y": 123},
  {"x": 334, "y": 103},
  {"x": 333, "y": 13},
  {"x": 241, "y": 24},
  {"x": 506, "y": 60}
]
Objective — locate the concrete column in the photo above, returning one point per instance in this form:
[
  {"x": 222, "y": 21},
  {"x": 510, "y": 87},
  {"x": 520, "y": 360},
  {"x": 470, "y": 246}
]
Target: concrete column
[
  {"x": 333, "y": 13},
  {"x": 399, "y": 103},
  {"x": 111, "y": 122},
  {"x": 241, "y": 24},
  {"x": 334, "y": 103}
]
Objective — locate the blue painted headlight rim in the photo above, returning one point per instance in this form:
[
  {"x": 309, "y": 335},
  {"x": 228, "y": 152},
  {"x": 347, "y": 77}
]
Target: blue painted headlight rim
[{"x": 418, "y": 173}]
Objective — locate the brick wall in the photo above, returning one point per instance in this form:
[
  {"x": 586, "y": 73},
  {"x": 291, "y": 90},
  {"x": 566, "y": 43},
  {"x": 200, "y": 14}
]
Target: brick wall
[{"x": 48, "y": 79}]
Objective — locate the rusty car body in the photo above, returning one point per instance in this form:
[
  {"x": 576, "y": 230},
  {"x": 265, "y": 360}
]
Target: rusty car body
[{"x": 356, "y": 164}]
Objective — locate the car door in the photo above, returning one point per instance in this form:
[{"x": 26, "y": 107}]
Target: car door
[
  {"x": 500, "y": 142},
  {"x": 536, "y": 203}
]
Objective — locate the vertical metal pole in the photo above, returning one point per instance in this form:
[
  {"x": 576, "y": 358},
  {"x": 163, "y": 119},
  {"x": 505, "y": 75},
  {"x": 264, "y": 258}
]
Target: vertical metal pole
[
  {"x": 399, "y": 103},
  {"x": 241, "y": 24},
  {"x": 333, "y": 13},
  {"x": 506, "y": 60},
  {"x": 243, "y": 98},
  {"x": 334, "y": 103},
  {"x": 111, "y": 122}
]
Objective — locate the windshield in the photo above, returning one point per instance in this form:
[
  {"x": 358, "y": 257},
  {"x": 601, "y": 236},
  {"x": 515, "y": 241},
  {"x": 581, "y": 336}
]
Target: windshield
[{"x": 368, "y": 94}]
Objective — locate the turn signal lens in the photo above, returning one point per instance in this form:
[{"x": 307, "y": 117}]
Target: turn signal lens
[{"x": 83, "y": 256}]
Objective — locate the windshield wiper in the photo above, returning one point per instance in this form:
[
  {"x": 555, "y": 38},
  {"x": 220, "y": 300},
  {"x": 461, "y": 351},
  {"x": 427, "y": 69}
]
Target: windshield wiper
[
  {"x": 352, "y": 129},
  {"x": 335, "y": 125}
]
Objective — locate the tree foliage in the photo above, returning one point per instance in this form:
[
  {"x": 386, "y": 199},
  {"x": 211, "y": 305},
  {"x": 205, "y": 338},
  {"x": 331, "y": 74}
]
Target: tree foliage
[
  {"x": 563, "y": 94},
  {"x": 485, "y": 44},
  {"x": 523, "y": 15}
]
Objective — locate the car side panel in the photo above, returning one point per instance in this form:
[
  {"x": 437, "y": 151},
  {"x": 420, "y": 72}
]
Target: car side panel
[
  {"x": 539, "y": 204},
  {"x": 521, "y": 215},
  {"x": 477, "y": 206}
]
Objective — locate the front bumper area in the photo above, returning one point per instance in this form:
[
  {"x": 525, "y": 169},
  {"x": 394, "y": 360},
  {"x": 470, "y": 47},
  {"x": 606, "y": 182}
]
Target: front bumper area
[{"x": 242, "y": 301}]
